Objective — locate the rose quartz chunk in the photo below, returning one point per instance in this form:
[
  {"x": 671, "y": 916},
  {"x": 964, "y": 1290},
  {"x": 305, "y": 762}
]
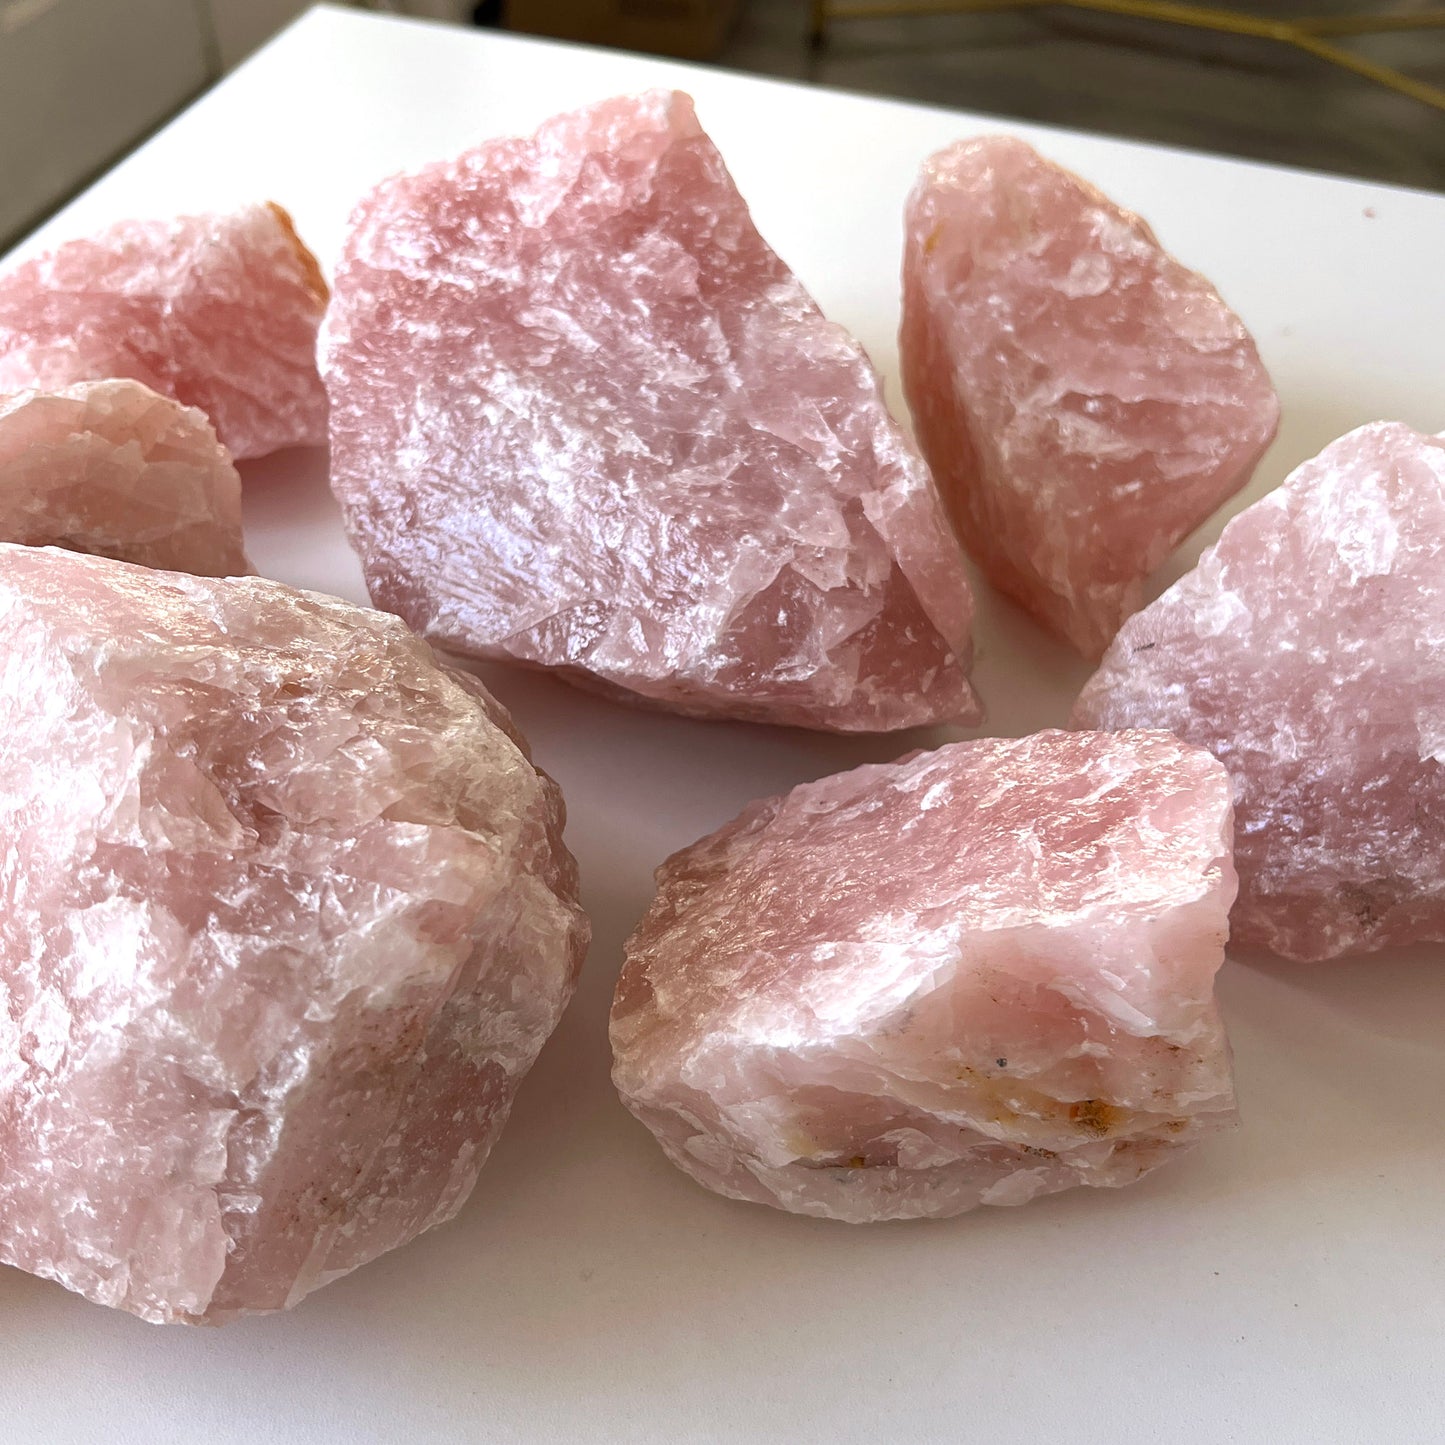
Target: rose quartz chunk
[
  {"x": 972, "y": 977},
  {"x": 110, "y": 467},
  {"x": 1084, "y": 400},
  {"x": 1307, "y": 652},
  {"x": 285, "y": 917},
  {"x": 218, "y": 311},
  {"x": 584, "y": 419}
]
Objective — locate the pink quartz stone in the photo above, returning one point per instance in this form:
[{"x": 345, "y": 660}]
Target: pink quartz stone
[
  {"x": 585, "y": 419},
  {"x": 972, "y": 977},
  {"x": 1307, "y": 652},
  {"x": 218, "y": 311},
  {"x": 112, "y": 468},
  {"x": 285, "y": 917},
  {"x": 1084, "y": 400}
]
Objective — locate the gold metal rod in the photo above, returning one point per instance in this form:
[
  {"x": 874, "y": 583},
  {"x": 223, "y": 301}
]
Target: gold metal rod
[
  {"x": 1431, "y": 95},
  {"x": 1167, "y": 12},
  {"x": 883, "y": 9},
  {"x": 1371, "y": 24},
  {"x": 1303, "y": 34},
  {"x": 1198, "y": 17}
]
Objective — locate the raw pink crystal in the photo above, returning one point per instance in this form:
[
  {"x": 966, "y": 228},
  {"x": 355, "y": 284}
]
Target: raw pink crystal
[
  {"x": 110, "y": 467},
  {"x": 218, "y": 311},
  {"x": 584, "y": 418},
  {"x": 1084, "y": 400},
  {"x": 972, "y": 977},
  {"x": 285, "y": 916},
  {"x": 1307, "y": 652}
]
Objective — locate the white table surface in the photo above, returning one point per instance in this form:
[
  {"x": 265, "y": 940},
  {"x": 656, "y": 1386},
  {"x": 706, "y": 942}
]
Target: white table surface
[{"x": 1282, "y": 1284}]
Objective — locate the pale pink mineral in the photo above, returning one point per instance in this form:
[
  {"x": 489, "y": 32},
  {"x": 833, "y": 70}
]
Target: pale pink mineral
[
  {"x": 113, "y": 468},
  {"x": 285, "y": 917},
  {"x": 972, "y": 977},
  {"x": 1084, "y": 400},
  {"x": 219, "y": 311},
  {"x": 584, "y": 418},
  {"x": 1307, "y": 652}
]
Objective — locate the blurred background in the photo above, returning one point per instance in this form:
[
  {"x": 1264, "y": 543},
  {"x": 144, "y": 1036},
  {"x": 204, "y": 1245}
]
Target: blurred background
[{"x": 82, "y": 81}]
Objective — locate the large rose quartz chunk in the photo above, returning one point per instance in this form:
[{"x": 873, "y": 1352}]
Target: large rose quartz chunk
[
  {"x": 219, "y": 311},
  {"x": 1084, "y": 400},
  {"x": 112, "y": 468},
  {"x": 585, "y": 419},
  {"x": 1307, "y": 652},
  {"x": 285, "y": 917},
  {"x": 972, "y": 977}
]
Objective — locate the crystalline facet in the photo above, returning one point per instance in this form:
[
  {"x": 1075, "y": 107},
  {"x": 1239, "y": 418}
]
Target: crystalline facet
[
  {"x": 1307, "y": 652},
  {"x": 585, "y": 419},
  {"x": 285, "y": 916},
  {"x": 219, "y": 311},
  {"x": 972, "y": 977},
  {"x": 111, "y": 467},
  {"x": 1084, "y": 400}
]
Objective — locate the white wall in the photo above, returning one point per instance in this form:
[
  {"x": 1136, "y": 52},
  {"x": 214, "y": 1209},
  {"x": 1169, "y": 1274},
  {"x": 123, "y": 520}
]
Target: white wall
[
  {"x": 435, "y": 9},
  {"x": 242, "y": 25},
  {"x": 79, "y": 81},
  {"x": 82, "y": 80}
]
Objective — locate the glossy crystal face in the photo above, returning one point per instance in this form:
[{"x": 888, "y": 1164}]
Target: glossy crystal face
[
  {"x": 1307, "y": 652},
  {"x": 971, "y": 977},
  {"x": 1084, "y": 400},
  {"x": 285, "y": 917},
  {"x": 584, "y": 418}
]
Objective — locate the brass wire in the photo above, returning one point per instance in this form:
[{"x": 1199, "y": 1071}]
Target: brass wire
[{"x": 1311, "y": 35}]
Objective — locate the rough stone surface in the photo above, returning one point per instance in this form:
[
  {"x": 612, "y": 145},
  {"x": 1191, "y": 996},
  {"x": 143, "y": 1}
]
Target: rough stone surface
[
  {"x": 1084, "y": 400},
  {"x": 112, "y": 468},
  {"x": 1307, "y": 652},
  {"x": 218, "y": 311},
  {"x": 971, "y": 977},
  {"x": 285, "y": 916},
  {"x": 584, "y": 418}
]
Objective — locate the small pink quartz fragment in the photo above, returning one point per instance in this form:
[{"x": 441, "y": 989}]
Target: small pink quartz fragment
[
  {"x": 972, "y": 977},
  {"x": 112, "y": 468},
  {"x": 1307, "y": 652},
  {"x": 1084, "y": 400},
  {"x": 585, "y": 419},
  {"x": 285, "y": 917},
  {"x": 219, "y": 311}
]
